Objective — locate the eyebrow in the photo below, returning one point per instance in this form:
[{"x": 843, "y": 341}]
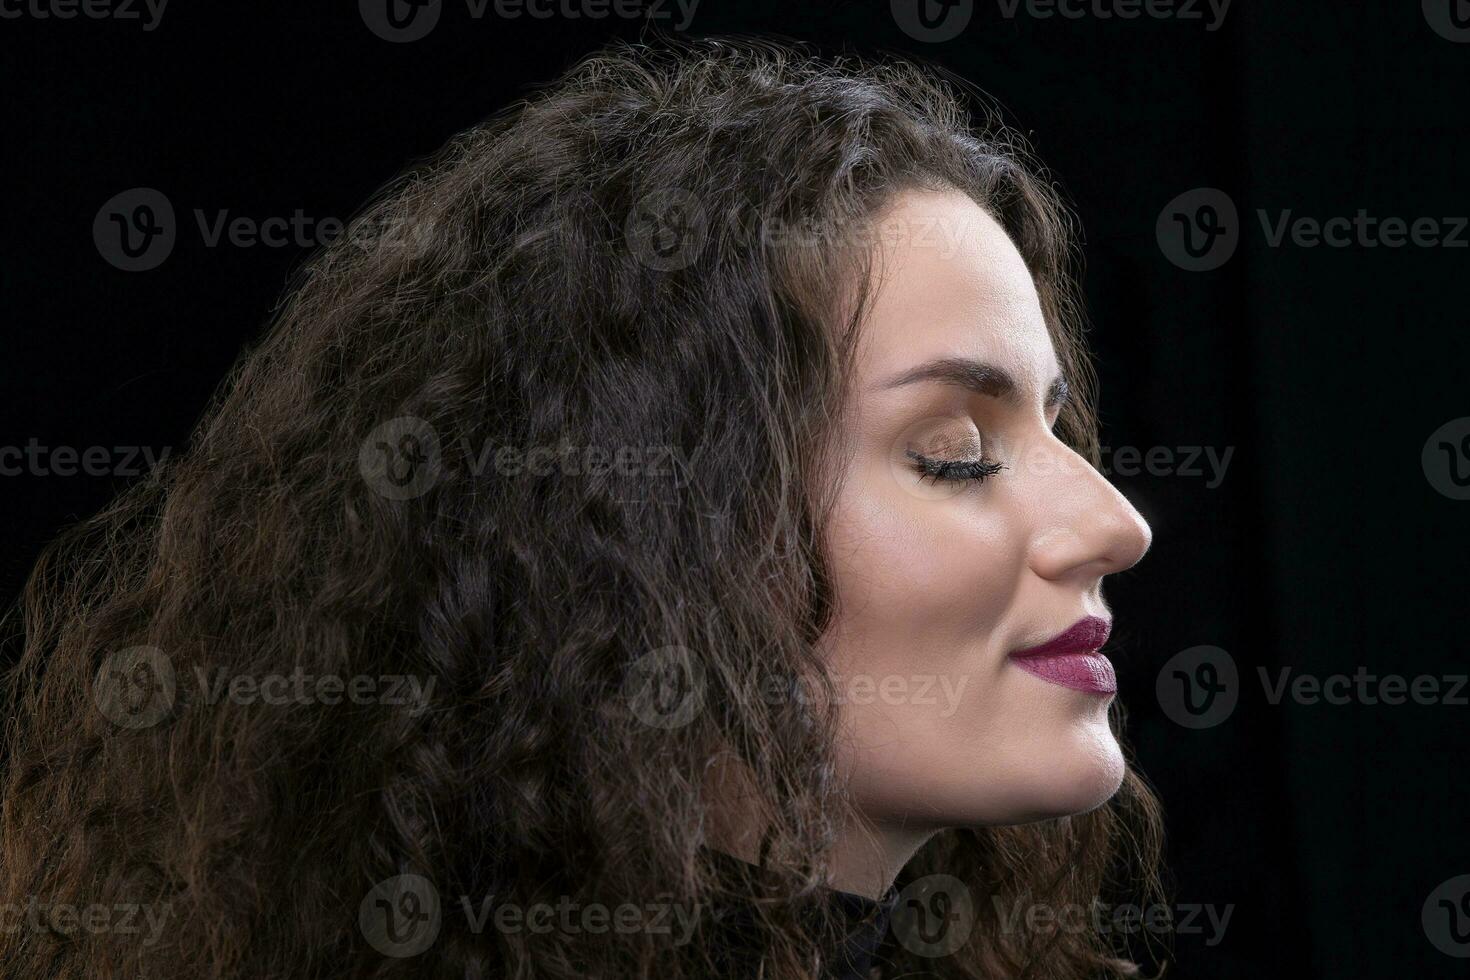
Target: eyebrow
[{"x": 978, "y": 376}]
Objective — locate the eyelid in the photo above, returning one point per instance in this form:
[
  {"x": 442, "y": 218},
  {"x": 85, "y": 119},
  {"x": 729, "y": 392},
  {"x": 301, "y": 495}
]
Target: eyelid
[
  {"x": 968, "y": 445},
  {"x": 955, "y": 470},
  {"x": 957, "y": 434}
]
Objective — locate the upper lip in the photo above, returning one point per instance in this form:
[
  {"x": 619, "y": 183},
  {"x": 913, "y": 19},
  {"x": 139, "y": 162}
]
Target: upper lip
[{"x": 1086, "y": 635}]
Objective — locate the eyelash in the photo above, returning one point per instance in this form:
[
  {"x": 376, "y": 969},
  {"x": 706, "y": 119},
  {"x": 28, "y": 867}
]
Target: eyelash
[{"x": 953, "y": 470}]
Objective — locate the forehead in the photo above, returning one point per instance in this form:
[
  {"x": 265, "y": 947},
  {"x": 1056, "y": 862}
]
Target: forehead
[{"x": 948, "y": 282}]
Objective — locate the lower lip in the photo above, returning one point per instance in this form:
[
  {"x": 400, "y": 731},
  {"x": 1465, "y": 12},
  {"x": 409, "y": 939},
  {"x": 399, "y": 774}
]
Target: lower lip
[{"x": 1090, "y": 672}]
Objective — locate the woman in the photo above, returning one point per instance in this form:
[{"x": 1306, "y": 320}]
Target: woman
[{"x": 659, "y": 541}]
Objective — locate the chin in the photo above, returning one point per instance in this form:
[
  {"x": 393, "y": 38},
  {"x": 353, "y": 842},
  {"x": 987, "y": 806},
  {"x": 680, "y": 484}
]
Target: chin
[
  {"x": 1077, "y": 771},
  {"x": 1056, "y": 770},
  {"x": 1083, "y": 772}
]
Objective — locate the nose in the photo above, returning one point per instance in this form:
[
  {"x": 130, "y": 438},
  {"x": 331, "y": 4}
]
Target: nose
[{"x": 1085, "y": 528}]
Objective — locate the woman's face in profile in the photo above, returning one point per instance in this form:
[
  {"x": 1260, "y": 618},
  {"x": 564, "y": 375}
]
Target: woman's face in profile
[{"x": 945, "y": 566}]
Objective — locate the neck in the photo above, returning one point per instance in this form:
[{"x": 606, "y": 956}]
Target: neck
[{"x": 865, "y": 861}]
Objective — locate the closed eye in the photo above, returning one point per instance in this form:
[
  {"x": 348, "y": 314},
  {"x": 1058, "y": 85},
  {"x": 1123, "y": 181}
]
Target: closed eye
[{"x": 953, "y": 470}]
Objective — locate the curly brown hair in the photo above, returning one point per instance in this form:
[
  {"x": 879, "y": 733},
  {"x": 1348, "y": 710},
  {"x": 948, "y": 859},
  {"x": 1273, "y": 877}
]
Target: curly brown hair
[{"x": 336, "y": 518}]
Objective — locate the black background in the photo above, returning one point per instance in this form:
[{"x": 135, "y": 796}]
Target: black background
[{"x": 1323, "y": 370}]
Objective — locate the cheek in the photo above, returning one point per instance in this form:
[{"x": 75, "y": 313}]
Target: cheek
[
  {"x": 938, "y": 723},
  {"x": 921, "y": 582},
  {"x": 921, "y": 586}
]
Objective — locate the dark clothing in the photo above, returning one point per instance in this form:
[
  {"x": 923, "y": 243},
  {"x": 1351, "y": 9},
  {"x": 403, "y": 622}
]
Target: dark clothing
[
  {"x": 867, "y": 925},
  {"x": 863, "y": 942}
]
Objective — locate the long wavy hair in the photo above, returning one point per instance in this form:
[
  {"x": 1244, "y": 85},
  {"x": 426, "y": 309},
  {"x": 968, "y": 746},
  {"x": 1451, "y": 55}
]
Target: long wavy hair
[{"x": 634, "y": 273}]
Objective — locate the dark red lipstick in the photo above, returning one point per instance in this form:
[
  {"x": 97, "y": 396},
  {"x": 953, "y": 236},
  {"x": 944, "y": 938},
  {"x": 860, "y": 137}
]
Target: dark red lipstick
[{"x": 1071, "y": 658}]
